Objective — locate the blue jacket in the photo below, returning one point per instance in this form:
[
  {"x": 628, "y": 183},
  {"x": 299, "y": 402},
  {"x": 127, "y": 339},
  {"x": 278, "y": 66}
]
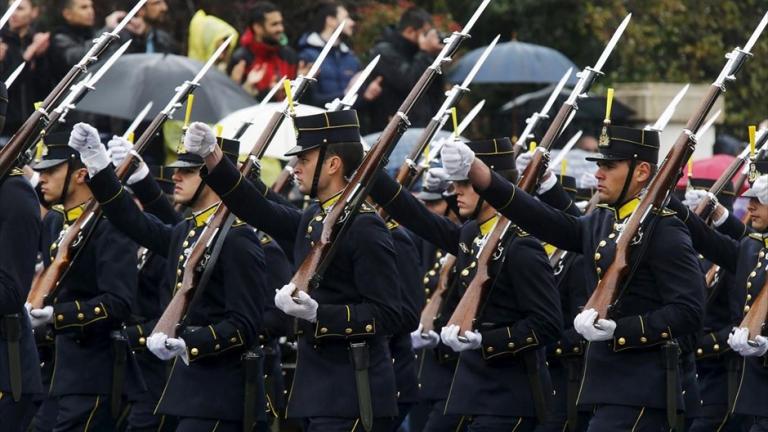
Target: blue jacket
[{"x": 336, "y": 72}]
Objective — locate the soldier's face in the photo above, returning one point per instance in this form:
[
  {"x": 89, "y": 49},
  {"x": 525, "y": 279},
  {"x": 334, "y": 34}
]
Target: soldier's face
[
  {"x": 52, "y": 182},
  {"x": 466, "y": 197},
  {"x": 304, "y": 171},
  {"x": 758, "y": 214},
  {"x": 611, "y": 176},
  {"x": 185, "y": 181}
]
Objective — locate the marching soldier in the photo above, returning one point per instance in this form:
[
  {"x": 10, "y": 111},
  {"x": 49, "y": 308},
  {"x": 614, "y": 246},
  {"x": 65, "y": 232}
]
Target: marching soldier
[
  {"x": 624, "y": 375},
  {"x": 219, "y": 328},
  {"x": 344, "y": 379},
  {"x": 90, "y": 304},
  {"x": 501, "y": 377},
  {"x": 19, "y": 231}
]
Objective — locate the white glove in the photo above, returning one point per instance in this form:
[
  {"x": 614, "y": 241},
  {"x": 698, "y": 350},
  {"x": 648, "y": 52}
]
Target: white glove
[
  {"x": 436, "y": 179},
  {"x": 85, "y": 139},
  {"x": 118, "y": 149},
  {"x": 305, "y": 307},
  {"x": 547, "y": 182},
  {"x": 760, "y": 186},
  {"x": 584, "y": 324},
  {"x": 166, "y": 348},
  {"x": 587, "y": 181},
  {"x": 523, "y": 161},
  {"x": 41, "y": 317},
  {"x": 738, "y": 340},
  {"x": 450, "y": 337},
  {"x": 457, "y": 158},
  {"x": 420, "y": 340},
  {"x": 693, "y": 197},
  {"x": 199, "y": 139}
]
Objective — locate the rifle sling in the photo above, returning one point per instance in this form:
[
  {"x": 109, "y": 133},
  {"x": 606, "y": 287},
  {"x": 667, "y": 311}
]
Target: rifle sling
[{"x": 88, "y": 233}]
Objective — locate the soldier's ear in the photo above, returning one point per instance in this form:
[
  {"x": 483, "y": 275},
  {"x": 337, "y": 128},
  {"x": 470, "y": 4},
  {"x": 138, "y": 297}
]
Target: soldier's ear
[
  {"x": 334, "y": 164},
  {"x": 80, "y": 176},
  {"x": 643, "y": 172}
]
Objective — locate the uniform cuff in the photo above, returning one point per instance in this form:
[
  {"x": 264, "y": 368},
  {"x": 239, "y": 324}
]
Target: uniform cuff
[
  {"x": 571, "y": 345},
  {"x": 344, "y": 321},
  {"x": 225, "y": 178},
  {"x": 631, "y": 332},
  {"x": 77, "y": 315},
  {"x": 147, "y": 190},
  {"x": 500, "y": 193},
  {"x": 507, "y": 341},
  {"x": 713, "y": 344},
  {"x": 211, "y": 340},
  {"x": 137, "y": 337}
]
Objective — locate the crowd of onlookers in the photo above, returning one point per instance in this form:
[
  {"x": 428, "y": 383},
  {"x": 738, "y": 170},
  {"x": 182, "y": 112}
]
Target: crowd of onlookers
[{"x": 259, "y": 56}]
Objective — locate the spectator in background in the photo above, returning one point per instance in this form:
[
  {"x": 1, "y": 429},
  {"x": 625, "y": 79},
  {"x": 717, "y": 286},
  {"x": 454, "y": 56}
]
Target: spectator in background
[
  {"x": 206, "y": 33},
  {"x": 74, "y": 38},
  {"x": 143, "y": 28},
  {"x": 341, "y": 64},
  {"x": 21, "y": 42},
  {"x": 263, "y": 56},
  {"x": 406, "y": 51}
]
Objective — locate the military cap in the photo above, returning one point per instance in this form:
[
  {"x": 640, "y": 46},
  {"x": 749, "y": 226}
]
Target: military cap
[
  {"x": 230, "y": 147},
  {"x": 569, "y": 185},
  {"x": 497, "y": 153},
  {"x": 619, "y": 143},
  {"x": 333, "y": 127},
  {"x": 435, "y": 193},
  {"x": 57, "y": 151}
]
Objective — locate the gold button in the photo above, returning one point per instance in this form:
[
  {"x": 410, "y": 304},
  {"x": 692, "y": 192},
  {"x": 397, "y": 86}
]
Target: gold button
[
  {"x": 426, "y": 279},
  {"x": 529, "y": 339},
  {"x": 181, "y": 257},
  {"x": 761, "y": 254},
  {"x": 611, "y": 235},
  {"x": 142, "y": 341},
  {"x": 473, "y": 264},
  {"x": 348, "y": 330},
  {"x": 216, "y": 347},
  {"x": 602, "y": 243},
  {"x": 436, "y": 266},
  {"x": 597, "y": 256},
  {"x": 576, "y": 349},
  {"x": 465, "y": 272},
  {"x": 746, "y": 308},
  {"x": 716, "y": 347},
  {"x": 439, "y": 254},
  {"x": 599, "y": 271},
  {"x": 511, "y": 345},
  {"x": 179, "y": 272},
  {"x": 318, "y": 218},
  {"x": 490, "y": 349},
  {"x": 749, "y": 297},
  {"x": 194, "y": 351},
  {"x": 59, "y": 317},
  {"x": 80, "y": 316},
  {"x": 97, "y": 310},
  {"x": 622, "y": 341},
  {"x": 191, "y": 233},
  {"x": 426, "y": 291},
  {"x": 643, "y": 339},
  {"x": 559, "y": 351},
  {"x": 369, "y": 328},
  {"x": 432, "y": 273},
  {"x": 753, "y": 274},
  {"x": 185, "y": 244},
  {"x": 178, "y": 285},
  {"x": 699, "y": 352},
  {"x": 749, "y": 285},
  {"x": 323, "y": 330},
  {"x": 664, "y": 335},
  {"x": 233, "y": 340}
]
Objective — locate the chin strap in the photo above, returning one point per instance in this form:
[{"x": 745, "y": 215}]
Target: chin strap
[
  {"x": 620, "y": 200},
  {"x": 318, "y": 170},
  {"x": 65, "y": 187},
  {"x": 478, "y": 209},
  {"x": 197, "y": 194}
]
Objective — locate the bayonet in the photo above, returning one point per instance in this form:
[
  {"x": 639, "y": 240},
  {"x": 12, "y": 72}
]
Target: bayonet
[
  {"x": 459, "y": 130},
  {"x": 665, "y": 116},
  {"x": 708, "y": 124},
  {"x": 7, "y": 15},
  {"x": 14, "y": 75},
  {"x": 137, "y": 121},
  {"x": 351, "y": 96},
  {"x": 567, "y": 148},
  {"x": 532, "y": 121}
]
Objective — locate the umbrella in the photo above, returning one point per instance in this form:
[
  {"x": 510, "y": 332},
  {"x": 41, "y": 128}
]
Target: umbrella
[
  {"x": 515, "y": 62},
  {"x": 136, "y": 79},
  {"x": 710, "y": 169},
  {"x": 591, "y": 107},
  {"x": 259, "y": 115}
]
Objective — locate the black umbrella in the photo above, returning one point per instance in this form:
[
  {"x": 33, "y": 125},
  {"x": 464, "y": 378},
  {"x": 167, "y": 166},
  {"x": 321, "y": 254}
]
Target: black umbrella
[
  {"x": 590, "y": 108},
  {"x": 136, "y": 79}
]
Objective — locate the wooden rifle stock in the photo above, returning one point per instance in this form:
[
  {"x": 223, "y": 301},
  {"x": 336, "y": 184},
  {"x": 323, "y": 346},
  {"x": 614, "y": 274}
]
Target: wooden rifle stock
[
  {"x": 435, "y": 301},
  {"x": 755, "y": 318},
  {"x": 706, "y": 206},
  {"x": 285, "y": 178}
]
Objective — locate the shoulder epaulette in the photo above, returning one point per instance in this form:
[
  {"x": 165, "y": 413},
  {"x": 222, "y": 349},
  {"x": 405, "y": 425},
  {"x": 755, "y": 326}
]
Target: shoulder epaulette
[
  {"x": 238, "y": 222},
  {"x": 519, "y": 231},
  {"x": 367, "y": 207},
  {"x": 58, "y": 208},
  {"x": 391, "y": 224},
  {"x": 264, "y": 238},
  {"x": 664, "y": 212},
  {"x": 16, "y": 172},
  {"x": 756, "y": 236}
]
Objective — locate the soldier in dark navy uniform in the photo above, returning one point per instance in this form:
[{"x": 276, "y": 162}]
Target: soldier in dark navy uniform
[
  {"x": 19, "y": 231},
  {"x": 206, "y": 385},
  {"x": 357, "y": 305},
  {"x": 625, "y": 378},
  {"x": 501, "y": 374},
  {"x": 89, "y": 306}
]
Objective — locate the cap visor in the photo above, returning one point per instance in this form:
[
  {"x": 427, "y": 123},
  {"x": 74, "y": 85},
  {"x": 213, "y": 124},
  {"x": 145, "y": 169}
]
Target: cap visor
[
  {"x": 602, "y": 157},
  {"x": 749, "y": 193},
  {"x": 428, "y": 196},
  {"x": 46, "y": 164},
  {"x": 184, "y": 164}
]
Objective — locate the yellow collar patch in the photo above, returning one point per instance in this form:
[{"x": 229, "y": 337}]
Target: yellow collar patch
[
  {"x": 72, "y": 214},
  {"x": 330, "y": 201},
  {"x": 488, "y": 225},
  {"x": 625, "y": 210},
  {"x": 201, "y": 217}
]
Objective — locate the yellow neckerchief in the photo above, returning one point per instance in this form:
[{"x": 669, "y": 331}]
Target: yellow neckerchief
[
  {"x": 488, "y": 225},
  {"x": 331, "y": 201},
  {"x": 625, "y": 210},
  {"x": 72, "y": 214},
  {"x": 201, "y": 217}
]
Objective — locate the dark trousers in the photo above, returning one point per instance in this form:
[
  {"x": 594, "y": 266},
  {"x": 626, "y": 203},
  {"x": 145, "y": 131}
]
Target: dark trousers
[
  {"x": 141, "y": 418},
  {"x": 402, "y": 412},
  {"x": 84, "y": 413},
  {"x": 617, "y": 418},
  {"x": 45, "y": 417},
  {"x": 207, "y": 425},
  {"x": 437, "y": 421},
  {"x": 559, "y": 424},
  {"x": 501, "y": 424},
  {"x": 716, "y": 418},
  {"x": 337, "y": 424},
  {"x": 15, "y": 416},
  {"x": 757, "y": 424}
]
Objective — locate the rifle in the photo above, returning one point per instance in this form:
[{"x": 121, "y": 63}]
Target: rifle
[
  {"x": 349, "y": 99},
  {"x": 657, "y": 192},
  {"x": 533, "y": 121},
  {"x": 339, "y": 218},
  {"x": 77, "y": 235},
  {"x": 466, "y": 311},
  {"x": 12, "y": 154},
  {"x": 203, "y": 256},
  {"x": 435, "y": 301}
]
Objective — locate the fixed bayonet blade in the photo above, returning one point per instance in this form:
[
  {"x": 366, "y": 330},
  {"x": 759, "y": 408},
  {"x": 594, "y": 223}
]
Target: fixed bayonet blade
[
  {"x": 7, "y": 15},
  {"x": 349, "y": 98},
  {"x": 326, "y": 49},
  {"x": 475, "y": 17},
  {"x": 74, "y": 92},
  {"x": 665, "y": 116},
  {"x": 212, "y": 60},
  {"x": 273, "y": 91},
  {"x": 705, "y": 127},
  {"x": 108, "y": 64},
  {"x": 137, "y": 121},
  {"x": 15, "y": 74},
  {"x": 611, "y": 44},
  {"x": 567, "y": 148},
  {"x": 128, "y": 17},
  {"x": 756, "y": 34},
  {"x": 470, "y": 116},
  {"x": 556, "y": 92},
  {"x": 479, "y": 64}
]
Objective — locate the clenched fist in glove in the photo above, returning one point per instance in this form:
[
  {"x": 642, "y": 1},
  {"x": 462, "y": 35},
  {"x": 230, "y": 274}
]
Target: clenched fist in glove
[
  {"x": 118, "y": 149},
  {"x": 304, "y": 307},
  {"x": 457, "y": 158},
  {"x": 584, "y": 324},
  {"x": 420, "y": 340},
  {"x": 200, "y": 139},
  {"x": 85, "y": 140},
  {"x": 450, "y": 337},
  {"x": 166, "y": 348}
]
